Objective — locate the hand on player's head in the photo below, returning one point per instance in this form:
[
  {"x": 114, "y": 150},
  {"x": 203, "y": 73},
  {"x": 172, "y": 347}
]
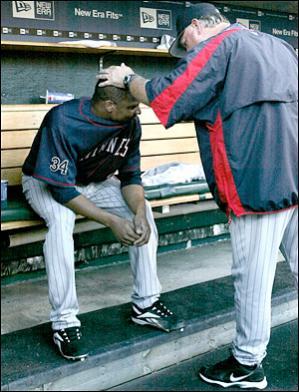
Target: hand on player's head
[{"x": 113, "y": 75}]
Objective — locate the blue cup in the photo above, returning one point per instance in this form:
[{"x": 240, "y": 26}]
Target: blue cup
[{"x": 4, "y": 184}]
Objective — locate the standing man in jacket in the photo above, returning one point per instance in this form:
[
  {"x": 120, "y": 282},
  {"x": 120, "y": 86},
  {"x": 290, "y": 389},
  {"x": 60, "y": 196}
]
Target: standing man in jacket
[{"x": 240, "y": 88}]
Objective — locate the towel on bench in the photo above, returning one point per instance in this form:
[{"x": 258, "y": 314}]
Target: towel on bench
[{"x": 172, "y": 173}]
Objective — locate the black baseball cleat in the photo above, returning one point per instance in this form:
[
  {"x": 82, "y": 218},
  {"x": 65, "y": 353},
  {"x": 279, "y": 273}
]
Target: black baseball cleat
[
  {"x": 69, "y": 343},
  {"x": 230, "y": 373},
  {"x": 157, "y": 316}
]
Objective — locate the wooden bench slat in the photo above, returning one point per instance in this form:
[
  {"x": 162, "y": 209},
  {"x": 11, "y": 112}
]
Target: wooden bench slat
[
  {"x": 174, "y": 200},
  {"x": 27, "y": 107},
  {"x": 180, "y": 200},
  {"x": 21, "y": 120},
  {"x": 157, "y": 131},
  {"x": 153, "y": 161},
  {"x": 169, "y": 146},
  {"x": 148, "y": 116},
  {"x": 19, "y": 224},
  {"x": 17, "y": 139},
  {"x": 13, "y": 158},
  {"x": 13, "y": 175}
]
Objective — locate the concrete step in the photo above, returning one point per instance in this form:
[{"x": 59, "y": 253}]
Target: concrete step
[
  {"x": 121, "y": 351},
  {"x": 280, "y": 366},
  {"x": 25, "y": 303}
]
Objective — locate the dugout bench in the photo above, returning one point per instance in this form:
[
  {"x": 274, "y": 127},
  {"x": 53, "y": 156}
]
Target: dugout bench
[{"x": 19, "y": 125}]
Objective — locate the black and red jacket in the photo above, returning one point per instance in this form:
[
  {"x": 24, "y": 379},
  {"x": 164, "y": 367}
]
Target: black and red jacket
[{"x": 240, "y": 89}]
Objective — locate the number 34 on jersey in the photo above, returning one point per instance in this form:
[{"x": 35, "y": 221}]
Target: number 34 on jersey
[{"x": 58, "y": 165}]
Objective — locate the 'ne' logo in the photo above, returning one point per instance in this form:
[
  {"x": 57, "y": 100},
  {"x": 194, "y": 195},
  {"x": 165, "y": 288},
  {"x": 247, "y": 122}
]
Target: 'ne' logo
[
  {"x": 147, "y": 18},
  {"x": 22, "y": 6}
]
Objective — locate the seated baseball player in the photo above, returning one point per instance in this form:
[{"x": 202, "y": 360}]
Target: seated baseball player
[{"x": 70, "y": 170}]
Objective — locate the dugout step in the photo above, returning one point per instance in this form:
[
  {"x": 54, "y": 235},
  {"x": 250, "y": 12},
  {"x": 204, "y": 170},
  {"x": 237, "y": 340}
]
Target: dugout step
[{"x": 120, "y": 350}]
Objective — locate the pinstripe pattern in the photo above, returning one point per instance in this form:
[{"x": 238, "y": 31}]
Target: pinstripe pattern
[
  {"x": 256, "y": 240},
  {"x": 59, "y": 247}
]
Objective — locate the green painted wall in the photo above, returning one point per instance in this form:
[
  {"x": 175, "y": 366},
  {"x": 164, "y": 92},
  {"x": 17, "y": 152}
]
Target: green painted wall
[{"x": 25, "y": 76}]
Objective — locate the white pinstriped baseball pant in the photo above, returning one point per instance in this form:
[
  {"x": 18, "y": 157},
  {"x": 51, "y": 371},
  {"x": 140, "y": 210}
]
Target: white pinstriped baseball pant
[
  {"x": 59, "y": 247},
  {"x": 256, "y": 240}
]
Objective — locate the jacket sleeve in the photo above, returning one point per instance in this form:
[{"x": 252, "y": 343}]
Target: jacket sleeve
[{"x": 197, "y": 79}]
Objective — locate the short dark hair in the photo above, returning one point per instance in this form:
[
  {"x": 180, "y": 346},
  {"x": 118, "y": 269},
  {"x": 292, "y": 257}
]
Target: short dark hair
[{"x": 112, "y": 93}]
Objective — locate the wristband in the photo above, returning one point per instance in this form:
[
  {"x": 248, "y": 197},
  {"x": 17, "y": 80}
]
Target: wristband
[{"x": 127, "y": 80}]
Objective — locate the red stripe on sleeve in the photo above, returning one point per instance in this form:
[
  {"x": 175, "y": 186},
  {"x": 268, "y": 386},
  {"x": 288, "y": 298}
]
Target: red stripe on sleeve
[
  {"x": 223, "y": 175},
  {"x": 164, "y": 102},
  {"x": 53, "y": 182}
]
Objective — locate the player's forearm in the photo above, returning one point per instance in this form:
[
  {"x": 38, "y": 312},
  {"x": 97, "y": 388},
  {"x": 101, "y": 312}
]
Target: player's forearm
[
  {"x": 82, "y": 206},
  {"x": 134, "y": 196},
  {"x": 137, "y": 89}
]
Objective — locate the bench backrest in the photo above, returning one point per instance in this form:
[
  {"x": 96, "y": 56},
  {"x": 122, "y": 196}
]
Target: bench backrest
[{"x": 20, "y": 123}]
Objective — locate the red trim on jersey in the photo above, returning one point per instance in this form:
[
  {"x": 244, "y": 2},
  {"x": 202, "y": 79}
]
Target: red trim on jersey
[
  {"x": 97, "y": 124},
  {"x": 49, "y": 180},
  {"x": 165, "y": 101},
  {"x": 223, "y": 175}
]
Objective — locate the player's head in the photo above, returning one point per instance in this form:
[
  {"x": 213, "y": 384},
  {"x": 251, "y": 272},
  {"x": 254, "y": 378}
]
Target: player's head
[{"x": 118, "y": 104}]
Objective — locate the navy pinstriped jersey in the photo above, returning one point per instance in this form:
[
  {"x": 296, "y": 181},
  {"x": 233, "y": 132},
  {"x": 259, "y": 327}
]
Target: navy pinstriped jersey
[
  {"x": 75, "y": 147},
  {"x": 240, "y": 88}
]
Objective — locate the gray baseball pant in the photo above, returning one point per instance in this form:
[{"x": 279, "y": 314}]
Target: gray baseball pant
[
  {"x": 59, "y": 247},
  {"x": 256, "y": 240}
]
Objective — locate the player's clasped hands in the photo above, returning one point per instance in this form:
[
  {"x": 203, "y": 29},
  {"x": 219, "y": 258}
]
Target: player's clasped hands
[
  {"x": 130, "y": 233},
  {"x": 142, "y": 228},
  {"x": 114, "y": 75}
]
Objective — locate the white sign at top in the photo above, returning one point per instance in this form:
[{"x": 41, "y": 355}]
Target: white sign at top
[
  {"x": 33, "y": 9},
  {"x": 151, "y": 18}
]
